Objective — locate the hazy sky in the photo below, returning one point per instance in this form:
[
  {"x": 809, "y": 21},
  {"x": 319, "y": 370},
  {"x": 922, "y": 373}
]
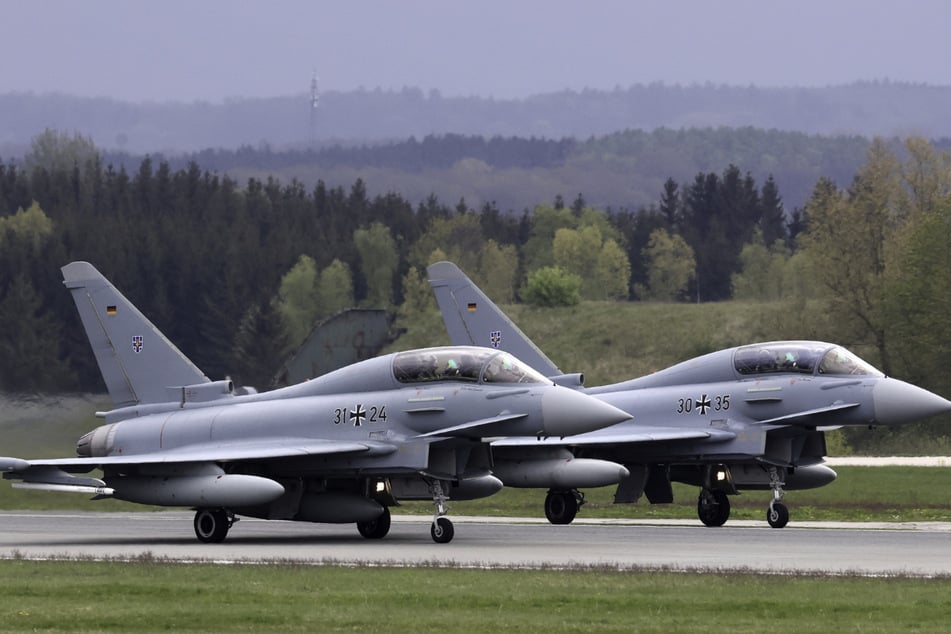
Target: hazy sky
[{"x": 186, "y": 50}]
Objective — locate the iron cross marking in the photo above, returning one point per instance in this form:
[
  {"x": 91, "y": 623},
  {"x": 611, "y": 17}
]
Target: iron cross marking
[
  {"x": 357, "y": 415},
  {"x": 703, "y": 405}
]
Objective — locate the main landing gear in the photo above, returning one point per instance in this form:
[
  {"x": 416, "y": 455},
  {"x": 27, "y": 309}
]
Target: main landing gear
[
  {"x": 562, "y": 506},
  {"x": 442, "y": 530},
  {"x": 212, "y": 525},
  {"x": 713, "y": 507},
  {"x": 378, "y": 528}
]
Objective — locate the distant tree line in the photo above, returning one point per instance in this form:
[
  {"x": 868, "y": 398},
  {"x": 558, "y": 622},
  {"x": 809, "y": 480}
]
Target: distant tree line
[
  {"x": 863, "y": 108},
  {"x": 431, "y": 152},
  {"x": 621, "y": 170}
]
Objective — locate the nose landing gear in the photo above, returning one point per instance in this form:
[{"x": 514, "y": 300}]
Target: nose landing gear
[
  {"x": 442, "y": 530},
  {"x": 777, "y": 515}
]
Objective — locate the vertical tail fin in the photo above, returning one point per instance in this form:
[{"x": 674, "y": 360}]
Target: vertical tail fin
[
  {"x": 472, "y": 319},
  {"x": 137, "y": 362}
]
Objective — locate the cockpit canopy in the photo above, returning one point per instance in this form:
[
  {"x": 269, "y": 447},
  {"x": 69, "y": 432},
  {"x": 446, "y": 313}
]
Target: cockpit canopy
[
  {"x": 462, "y": 363},
  {"x": 800, "y": 357}
]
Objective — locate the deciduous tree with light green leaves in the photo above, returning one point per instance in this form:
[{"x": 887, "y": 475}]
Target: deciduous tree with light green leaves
[
  {"x": 917, "y": 293},
  {"x": 613, "y": 272},
  {"x": 379, "y": 260},
  {"x": 671, "y": 266},
  {"x": 552, "y": 286},
  {"x": 846, "y": 239},
  {"x": 762, "y": 270},
  {"x": 335, "y": 288},
  {"x": 298, "y": 299},
  {"x": 498, "y": 271},
  {"x": 602, "y": 265},
  {"x": 32, "y": 226}
]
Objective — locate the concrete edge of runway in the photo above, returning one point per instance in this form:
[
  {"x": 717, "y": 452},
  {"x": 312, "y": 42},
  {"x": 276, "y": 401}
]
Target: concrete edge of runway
[
  {"x": 186, "y": 515},
  {"x": 438, "y": 559}
]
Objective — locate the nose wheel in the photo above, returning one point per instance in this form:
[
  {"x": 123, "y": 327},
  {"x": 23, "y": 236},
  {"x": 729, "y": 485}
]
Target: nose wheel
[
  {"x": 442, "y": 530},
  {"x": 777, "y": 515}
]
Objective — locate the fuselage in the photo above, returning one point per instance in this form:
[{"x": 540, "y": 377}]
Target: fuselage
[{"x": 767, "y": 401}]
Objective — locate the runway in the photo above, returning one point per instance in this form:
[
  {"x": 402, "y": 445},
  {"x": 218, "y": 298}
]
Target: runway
[{"x": 922, "y": 549}]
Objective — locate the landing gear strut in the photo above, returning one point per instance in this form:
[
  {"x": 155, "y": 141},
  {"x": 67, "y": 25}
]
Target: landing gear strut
[
  {"x": 212, "y": 525},
  {"x": 713, "y": 507},
  {"x": 562, "y": 506},
  {"x": 778, "y": 515},
  {"x": 442, "y": 530}
]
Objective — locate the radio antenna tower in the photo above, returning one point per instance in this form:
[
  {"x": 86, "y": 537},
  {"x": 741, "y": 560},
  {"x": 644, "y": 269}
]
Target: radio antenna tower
[{"x": 314, "y": 102}]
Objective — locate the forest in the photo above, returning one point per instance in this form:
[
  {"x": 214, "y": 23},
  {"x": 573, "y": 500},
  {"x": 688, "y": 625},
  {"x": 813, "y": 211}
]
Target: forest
[
  {"x": 234, "y": 272},
  {"x": 621, "y": 170}
]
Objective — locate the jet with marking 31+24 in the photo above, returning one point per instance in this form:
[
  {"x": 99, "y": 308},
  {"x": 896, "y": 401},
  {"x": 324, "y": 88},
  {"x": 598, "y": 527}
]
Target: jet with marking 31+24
[
  {"x": 750, "y": 417},
  {"x": 341, "y": 448}
]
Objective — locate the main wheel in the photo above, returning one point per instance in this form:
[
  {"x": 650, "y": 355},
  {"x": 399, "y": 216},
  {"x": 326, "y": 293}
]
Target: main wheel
[
  {"x": 378, "y": 528},
  {"x": 561, "y": 507},
  {"x": 713, "y": 508},
  {"x": 211, "y": 525},
  {"x": 777, "y": 515},
  {"x": 442, "y": 530}
]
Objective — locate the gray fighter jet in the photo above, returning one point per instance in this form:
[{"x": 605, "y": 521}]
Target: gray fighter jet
[
  {"x": 340, "y": 448},
  {"x": 751, "y": 417}
]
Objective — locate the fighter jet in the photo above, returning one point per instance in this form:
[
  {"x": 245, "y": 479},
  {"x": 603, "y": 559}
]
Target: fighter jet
[
  {"x": 750, "y": 417},
  {"x": 341, "y": 448}
]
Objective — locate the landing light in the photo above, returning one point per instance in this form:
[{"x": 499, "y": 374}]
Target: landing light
[
  {"x": 721, "y": 475},
  {"x": 380, "y": 486}
]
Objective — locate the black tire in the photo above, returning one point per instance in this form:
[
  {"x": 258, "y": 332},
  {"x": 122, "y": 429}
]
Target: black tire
[
  {"x": 378, "y": 528},
  {"x": 777, "y": 515},
  {"x": 561, "y": 507},
  {"x": 211, "y": 525},
  {"x": 442, "y": 530},
  {"x": 715, "y": 512}
]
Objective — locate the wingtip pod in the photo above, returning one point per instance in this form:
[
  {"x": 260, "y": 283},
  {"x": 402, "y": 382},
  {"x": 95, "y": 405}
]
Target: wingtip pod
[
  {"x": 567, "y": 412},
  {"x": 899, "y": 403},
  {"x": 13, "y": 464}
]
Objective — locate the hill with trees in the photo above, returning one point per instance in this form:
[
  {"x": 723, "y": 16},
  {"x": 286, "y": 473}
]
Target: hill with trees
[{"x": 876, "y": 108}]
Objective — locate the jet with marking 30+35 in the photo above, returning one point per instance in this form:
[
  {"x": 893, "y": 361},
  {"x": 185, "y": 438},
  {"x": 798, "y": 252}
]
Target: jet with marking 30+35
[
  {"x": 750, "y": 417},
  {"x": 341, "y": 448}
]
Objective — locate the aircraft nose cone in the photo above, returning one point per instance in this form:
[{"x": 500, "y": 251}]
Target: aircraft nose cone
[
  {"x": 897, "y": 403},
  {"x": 566, "y": 412}
]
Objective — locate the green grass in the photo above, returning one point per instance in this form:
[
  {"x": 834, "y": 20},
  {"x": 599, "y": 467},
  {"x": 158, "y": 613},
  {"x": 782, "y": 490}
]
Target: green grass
[{"x": 156, "y": 596}]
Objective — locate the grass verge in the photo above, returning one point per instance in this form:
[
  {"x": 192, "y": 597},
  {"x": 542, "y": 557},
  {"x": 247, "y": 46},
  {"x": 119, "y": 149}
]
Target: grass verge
[{"x": 154, "y": 596}]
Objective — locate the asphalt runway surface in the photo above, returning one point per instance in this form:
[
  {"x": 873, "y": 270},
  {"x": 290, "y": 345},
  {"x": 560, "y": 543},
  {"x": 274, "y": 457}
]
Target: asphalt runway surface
[{"x": 921, "y": 549}]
